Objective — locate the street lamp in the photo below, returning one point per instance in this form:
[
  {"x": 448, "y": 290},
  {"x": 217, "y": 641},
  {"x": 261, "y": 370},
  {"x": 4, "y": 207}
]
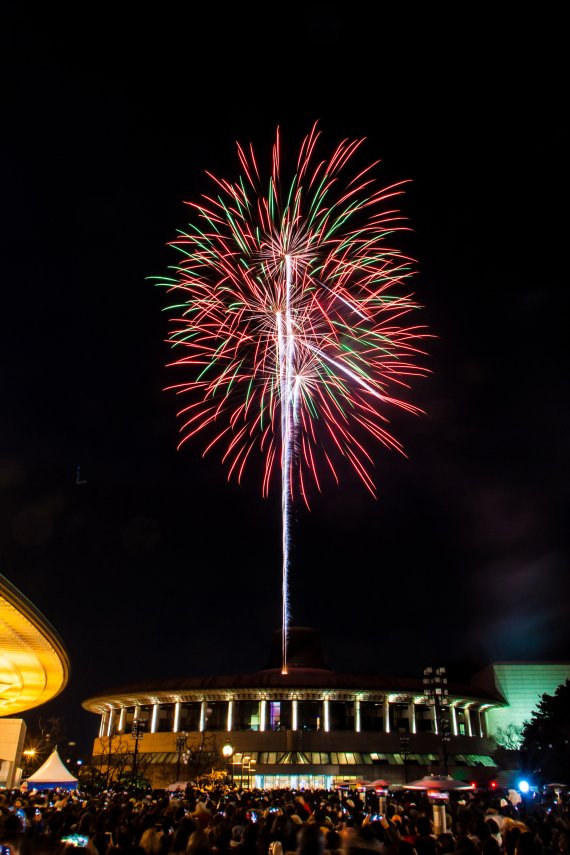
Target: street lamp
[
  {"x": 245, "y": 758},
  {"x": 180, "y": 746},
  {"x": 250, "y": 772},
  {"x": 29, "y": 755},
  {"x": 437, "y": 694},
  {"x": 138, "y": 731},
  {"x": 227, "y": 752}
]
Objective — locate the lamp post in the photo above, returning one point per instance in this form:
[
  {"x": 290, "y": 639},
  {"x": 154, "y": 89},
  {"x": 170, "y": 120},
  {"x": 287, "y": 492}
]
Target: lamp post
[
  {"x": 250, "y": 771},
  {"x": 180, "y": 746},
  {"x": 227, "y": 752},
  {"x": 436, "y": 692},
  {"x": 404, "y": 745},
  {"x": 29, "y": 755},
  {"x": 138, "y": 730},
  {"x": 245, "y": 758},
  {"x": 445, "y": 734}
]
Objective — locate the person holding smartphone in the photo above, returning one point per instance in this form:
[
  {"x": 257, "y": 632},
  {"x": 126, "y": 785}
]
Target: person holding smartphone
[{"x": 11, "y": 834}]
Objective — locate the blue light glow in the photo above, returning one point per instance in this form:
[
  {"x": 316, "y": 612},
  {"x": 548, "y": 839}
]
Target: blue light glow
[{"x": 524, "y": 786}]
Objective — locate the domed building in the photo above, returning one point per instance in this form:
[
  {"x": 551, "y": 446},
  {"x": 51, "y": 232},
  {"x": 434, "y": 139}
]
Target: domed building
[{"x": 311, "y": 727}]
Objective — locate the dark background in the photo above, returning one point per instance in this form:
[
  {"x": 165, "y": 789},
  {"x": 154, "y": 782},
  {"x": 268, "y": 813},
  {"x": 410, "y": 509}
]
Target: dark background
[{"x": 156, "y": 566}]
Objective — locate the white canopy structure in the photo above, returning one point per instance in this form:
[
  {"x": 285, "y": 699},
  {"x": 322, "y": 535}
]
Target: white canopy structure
[{"x": 52, "y": 774}]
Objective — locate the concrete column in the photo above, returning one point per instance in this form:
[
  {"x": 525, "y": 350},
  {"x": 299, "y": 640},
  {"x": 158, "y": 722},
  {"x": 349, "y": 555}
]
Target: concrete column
[
  {"x": 230, "y": 721},
  {"x": 412, "y": 717},
  {"x": 154, "y": 718},
  {"x": 468, "y": 727},
  {"x": 434, "y": 718},
  {"x": 326, "y": 715},
  {"x": 202, "y": 725},
  {"x": 122, "y": 719},
  {"x": 483, "y": 723},
  {"x": 136, "y": 713},
  {"x": 454, "y": 730},
  {"x": 103, "y": 726},
  {"x": 357, "y": 715},
  {"x": 262, "y": 714},
  {"x": 294, "y": 714},
  {"x": 176, "y": 724},
  {"x": 386, "y": 716},
  {"x": 110, "y": 722}
]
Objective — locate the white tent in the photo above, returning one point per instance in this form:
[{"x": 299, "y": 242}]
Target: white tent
[{"x": 51, "y": 775}]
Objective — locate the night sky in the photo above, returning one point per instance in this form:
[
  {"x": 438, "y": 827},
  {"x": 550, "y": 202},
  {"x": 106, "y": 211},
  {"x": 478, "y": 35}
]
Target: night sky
[{"x": 155, "y": 565}]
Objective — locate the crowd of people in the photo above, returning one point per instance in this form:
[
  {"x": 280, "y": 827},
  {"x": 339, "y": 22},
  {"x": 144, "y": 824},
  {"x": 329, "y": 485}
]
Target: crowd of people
[{"x": 228, "y": 821}]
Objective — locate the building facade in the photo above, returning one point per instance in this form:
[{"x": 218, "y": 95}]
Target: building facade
[
  {"x": 521, "y": 684},
  {"x": 311, "y": 727}
]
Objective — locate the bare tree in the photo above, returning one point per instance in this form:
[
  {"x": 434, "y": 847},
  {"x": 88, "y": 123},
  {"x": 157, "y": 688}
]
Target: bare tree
[
  {"x": 202, "y": 756},
  {"x": 114, "y": 757},
  {"x": 43, "y": 736},
  {"x": 509, "y": 737}
]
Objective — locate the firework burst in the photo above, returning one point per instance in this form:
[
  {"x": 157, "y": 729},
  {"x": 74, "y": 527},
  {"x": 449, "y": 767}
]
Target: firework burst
[{"x": 289, "y": 318}]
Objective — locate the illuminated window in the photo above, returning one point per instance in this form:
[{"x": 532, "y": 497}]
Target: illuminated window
[{"x": 279, "y": 715}]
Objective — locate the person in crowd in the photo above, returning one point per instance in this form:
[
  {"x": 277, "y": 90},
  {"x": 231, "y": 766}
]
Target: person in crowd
[
  {"x": 198, "y": 843},
  {"x": 151, "y": 840},
  {"x": 124, "y": 842},
  {"x": 425, "y": 843},
  {"x": 445, "y": 843},
  {"x": 311, "y": 840},
  {"x": 527, "y": 844},
  {"x": 248, "y": 843}
]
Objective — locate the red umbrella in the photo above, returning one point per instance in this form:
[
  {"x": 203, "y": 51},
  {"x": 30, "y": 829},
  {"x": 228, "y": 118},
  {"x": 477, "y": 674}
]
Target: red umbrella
[{"x": 443, "y": 783}]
